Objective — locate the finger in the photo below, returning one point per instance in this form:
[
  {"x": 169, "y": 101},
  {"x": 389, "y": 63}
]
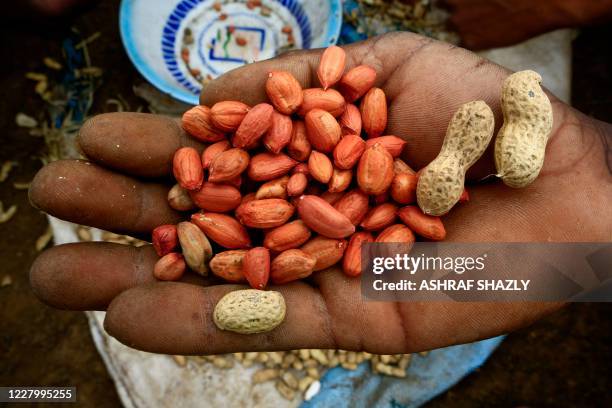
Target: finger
[
  {"x": 88, "y": 275},
  {"x": 175, "y": 318},
  {"x": 84, "y": 193},
  {"x": 138, "y": 144},
  {"x": 380, "y": 53}
]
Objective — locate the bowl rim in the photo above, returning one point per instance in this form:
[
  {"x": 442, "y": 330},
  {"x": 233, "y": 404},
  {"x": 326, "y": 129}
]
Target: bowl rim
[{"x": 334, "y": 24}]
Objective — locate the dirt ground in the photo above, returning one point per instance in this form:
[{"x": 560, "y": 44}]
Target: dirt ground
[{"x": 560, "y": 361}]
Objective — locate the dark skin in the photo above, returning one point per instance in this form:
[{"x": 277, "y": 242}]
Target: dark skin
[
  {"x": 485, "y": 24},
  {"x": 425, "y": 82}
]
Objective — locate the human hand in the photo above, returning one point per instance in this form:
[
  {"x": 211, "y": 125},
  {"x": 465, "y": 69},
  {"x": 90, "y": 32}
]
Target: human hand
[
  {"x": 485, "y": 23},
  {"x": 123, "y": 189}
]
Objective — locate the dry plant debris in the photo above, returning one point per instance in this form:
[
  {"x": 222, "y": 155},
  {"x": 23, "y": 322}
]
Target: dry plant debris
[
  {"x": 8, "y": 214},
  {"x": 26, "y": 121},
  {"x": 44, "y": 239},
  {"x": 22, "y": 185},
  {"x": 374, "y": 17},
  {"x": 299, "y": 371},
  {"x": 6, "y": 168},
  {"x": 6, "y": 281}
]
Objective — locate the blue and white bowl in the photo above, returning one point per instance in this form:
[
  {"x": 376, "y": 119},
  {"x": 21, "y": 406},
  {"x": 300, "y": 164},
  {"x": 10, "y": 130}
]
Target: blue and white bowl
[{"x": 180, "y": 45}]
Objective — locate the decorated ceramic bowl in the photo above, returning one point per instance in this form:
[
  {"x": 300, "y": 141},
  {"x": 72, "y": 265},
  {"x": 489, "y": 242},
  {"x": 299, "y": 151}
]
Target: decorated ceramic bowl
[{"x": 180, "y": 45}]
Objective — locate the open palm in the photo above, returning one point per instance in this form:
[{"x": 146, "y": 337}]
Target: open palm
[{"x": 123, "y": 189}]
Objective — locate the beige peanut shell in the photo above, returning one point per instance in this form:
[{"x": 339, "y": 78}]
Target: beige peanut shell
[
  {"x": 467, "y": 137},
  {"x": 521, "y": 142},
  {"x": 250, "y": 311}
]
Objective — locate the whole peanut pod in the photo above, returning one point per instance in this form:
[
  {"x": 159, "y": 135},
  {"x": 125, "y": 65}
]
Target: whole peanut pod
[
  {"x": 331, "y": 66},
  {"x": 250, "y": 311},
  {"x": 196, "y": 247},
  {"x": 299, "y": 147},
  {"x": 284, "y": 91},
  {"x": 256, "y": 267},
  {"x": 197, "y": 122},
  {"x": 375, "y": 170},
  {"x": 441, "y": 182},
  {"x": 323, "y": 130},
  {"x": 169, "y": 267},
  {"x": 521, "y": 142},
  {"x": 187, "y": 168},
  {"x": 351, "y": 264}
]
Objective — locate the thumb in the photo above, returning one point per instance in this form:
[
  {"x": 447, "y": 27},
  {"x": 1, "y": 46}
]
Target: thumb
[{"x": 247, "y": 84}]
